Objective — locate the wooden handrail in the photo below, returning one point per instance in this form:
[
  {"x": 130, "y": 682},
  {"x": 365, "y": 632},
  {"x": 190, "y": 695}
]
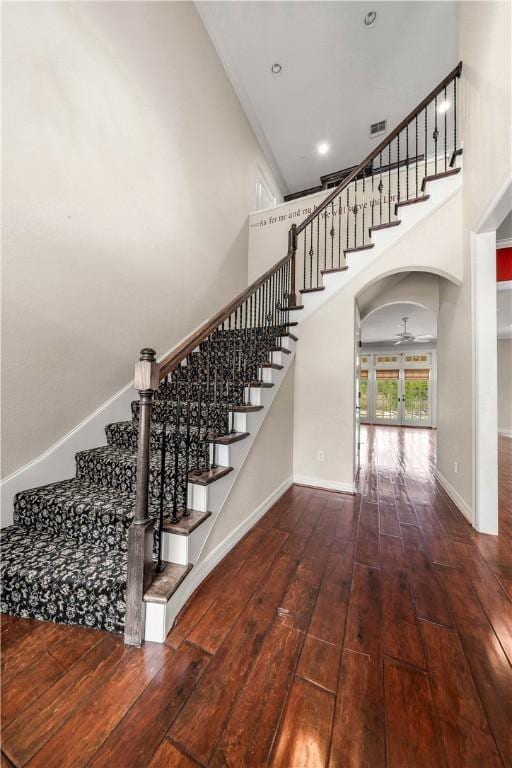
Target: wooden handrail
[
  {"x": 456, "y": 72},
  {"x": 174, "y": 358}
]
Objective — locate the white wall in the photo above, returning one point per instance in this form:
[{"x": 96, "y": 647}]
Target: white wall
[
  {"x": 505, "y": 386},
  {"x": 485, "y": 30},
  {"x": 267, "y": 467},
  {"x": 485, "y": 44},
  {"x": 324, "y": 365},
  {"x": 129, "y": 170}
]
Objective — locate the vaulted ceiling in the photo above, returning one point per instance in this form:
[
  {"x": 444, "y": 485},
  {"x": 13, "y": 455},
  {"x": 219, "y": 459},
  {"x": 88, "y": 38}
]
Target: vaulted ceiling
[
  {"x": 337, "y": 77},
  {"x": 382, "y": 325}
]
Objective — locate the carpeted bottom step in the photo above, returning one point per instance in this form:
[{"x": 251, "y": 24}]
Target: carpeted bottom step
[
  {"x": 84, "y": 512},
  {"x": 52, "y": 578}
]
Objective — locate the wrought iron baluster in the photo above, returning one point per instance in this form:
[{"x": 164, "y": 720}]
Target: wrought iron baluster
[
  {"x": 177, "y": 431},
  {"x": 332, "y": 233},
  {"x": 325, "y": 239},
  {"x": 355, "y": 213},
  {"x": 416, "y": 153},
  {"x": 317, "y": 250},
  {"x": 311, "y": 257},
  {"x": 372, "y": 203},
  {"x": 454, "y": 116},
  {"x": 339, "y": 230},
  {"x": 245, "y": 308},
  {"x": 407, "y": 161},
  {"x": 305, "y": 246},
  {"x": 163, "y": 451},
  {"x": 348, "y": 213},
  {"x": 208, "y": 400},
  {"x": 363, "y": 206},
  {"x": 435, "y": 135},
  {"x": 380, "y": 188},
  {"x": 398, "y": 167},
  {"x": 426, "y": 141},
  {"x": 389, "y": 182},
  {"x": 186, "y": 511},
  {"x": 445, "y": 130},
  {"x": 199, "y": 374}
]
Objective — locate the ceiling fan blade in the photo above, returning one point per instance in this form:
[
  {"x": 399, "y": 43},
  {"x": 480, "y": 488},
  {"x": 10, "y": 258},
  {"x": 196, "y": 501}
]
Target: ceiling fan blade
[
  {"x": 421, "y": 341},
  {"x": 397, "y": 342},
  {"x": 425, "y": 336}
]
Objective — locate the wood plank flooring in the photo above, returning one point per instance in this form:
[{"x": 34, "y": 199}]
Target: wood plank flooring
[{"x": 369, "y": 631}]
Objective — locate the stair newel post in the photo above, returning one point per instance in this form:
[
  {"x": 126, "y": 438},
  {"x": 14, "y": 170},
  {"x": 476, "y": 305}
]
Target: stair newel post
[
  {"x": 292, "y": 249},
  {"x": 140, "y": 533}
]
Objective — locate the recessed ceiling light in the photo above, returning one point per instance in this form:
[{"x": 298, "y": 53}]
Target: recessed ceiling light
[
  {"x": 323, "y": 148},
  {"x": 276, "y": 69},
  {"x": 443, "y": 107},
  {"x": 370, "y": 18}
]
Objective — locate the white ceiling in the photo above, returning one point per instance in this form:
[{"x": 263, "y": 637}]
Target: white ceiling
[
  {"x": 382, "y": 325},
  {"x": 338, "y": 76}
]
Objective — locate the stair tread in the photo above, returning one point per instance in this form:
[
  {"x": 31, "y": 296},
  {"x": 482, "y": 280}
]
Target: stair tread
[
  {"x": 411, "y": 201},
  {"x": 261, "y": 384},
  {"x": 157, "y": 426},
  {"x": 359, "y": 248},
  {"x": 186, "y": 525},
  {"x": 437, "y": 176},
  {"x": 275, "y": 366},
  {"x": 208, "y": 475},
  {"x": 333, "y": 269},
  {"x": 232, "y": 437},
  {"x": 166, "y": 583},
  {"x": 281, "y": 349},
  {"x": 76, "y": 492},
  {"x": 312, "y": 290},
  {"x": 387, "y": 225},
  {"x": 247, "y": 408}
]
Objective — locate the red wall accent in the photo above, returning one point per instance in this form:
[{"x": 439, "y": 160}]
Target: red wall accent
[{"x": 503, "y": 264}]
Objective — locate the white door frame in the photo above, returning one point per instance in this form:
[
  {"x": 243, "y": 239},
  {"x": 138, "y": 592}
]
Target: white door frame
[{"x": 485, "y": 363}]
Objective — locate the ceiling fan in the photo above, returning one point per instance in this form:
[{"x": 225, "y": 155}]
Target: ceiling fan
[{"x": 407, "y": 336}]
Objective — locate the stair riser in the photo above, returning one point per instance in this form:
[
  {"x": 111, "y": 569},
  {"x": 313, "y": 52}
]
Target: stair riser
[{"x": 183, "y": 549}]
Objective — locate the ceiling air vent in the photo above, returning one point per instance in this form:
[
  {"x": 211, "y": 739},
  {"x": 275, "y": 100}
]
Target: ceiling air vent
[{"x": 377, "y": 129}]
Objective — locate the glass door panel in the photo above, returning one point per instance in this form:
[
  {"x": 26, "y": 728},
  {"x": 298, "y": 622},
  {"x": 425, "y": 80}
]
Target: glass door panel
[
  {"x": 363, "y": 400},
  {"x": 363, "y": 396},
  {"x": 416, "y": 398},
  {"x": 387, "y": 397}
]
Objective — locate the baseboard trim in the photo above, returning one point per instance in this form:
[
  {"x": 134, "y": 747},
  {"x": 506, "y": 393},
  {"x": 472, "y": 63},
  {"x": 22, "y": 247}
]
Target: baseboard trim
[
  {"x": 455, "y": 496},
  {"x": 324, "y": 485},
  {"x": 200, "y": 571}
]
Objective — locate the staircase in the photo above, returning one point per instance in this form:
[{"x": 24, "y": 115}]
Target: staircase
[{"x": 113, "y": 547}]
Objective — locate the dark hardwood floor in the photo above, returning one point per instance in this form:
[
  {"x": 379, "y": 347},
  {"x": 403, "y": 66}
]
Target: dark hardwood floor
[{"x": 342, "y": 631}]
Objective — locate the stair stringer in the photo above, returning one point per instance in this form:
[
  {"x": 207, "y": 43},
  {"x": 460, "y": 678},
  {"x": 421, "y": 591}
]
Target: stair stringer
[
  {"x": 159, "y": 616},
  {"x": 440, "y": 192}
]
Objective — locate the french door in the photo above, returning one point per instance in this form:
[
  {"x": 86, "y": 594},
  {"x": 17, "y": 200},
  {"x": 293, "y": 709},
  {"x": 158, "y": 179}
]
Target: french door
[
  {"x": 387, "y": 396},
  {"x": 416, "y": 397},
  {"x": 402, "y": 396}
]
